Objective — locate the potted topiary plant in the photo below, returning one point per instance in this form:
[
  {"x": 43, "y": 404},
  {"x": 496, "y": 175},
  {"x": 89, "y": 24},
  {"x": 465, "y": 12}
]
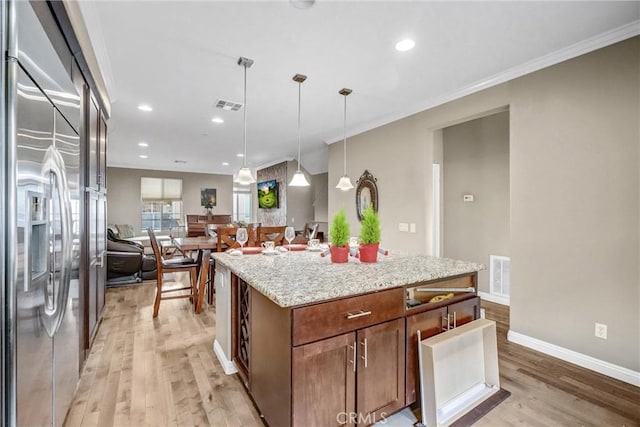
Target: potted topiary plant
[
  {"x": 339, "y": 235},
  {"x": 369, "y": 235}
]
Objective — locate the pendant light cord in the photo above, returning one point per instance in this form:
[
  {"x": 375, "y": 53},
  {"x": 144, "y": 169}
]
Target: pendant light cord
[
  {"x": 344, "y": 157},
  {"x": 244, "y": 154},
  {"x": 299, "y": 98}
]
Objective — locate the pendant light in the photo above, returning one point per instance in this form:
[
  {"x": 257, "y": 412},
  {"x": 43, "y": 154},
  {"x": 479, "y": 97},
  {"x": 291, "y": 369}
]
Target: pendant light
[
  {"x": 299, "y": 180},
  {"x": 244, "y": 174},
  {"x": 345, "y": 182}
]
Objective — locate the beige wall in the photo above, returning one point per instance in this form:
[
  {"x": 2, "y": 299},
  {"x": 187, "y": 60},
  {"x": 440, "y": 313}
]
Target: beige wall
[
  {"x": 574, "y": 204},
  {"x": 400, "y": 155},
  {"x": 123, "y": 197},
  {"x": 574, "y": 190},
  {"x": 299, "y": 199},
  {"x": 476, "y": 162}
]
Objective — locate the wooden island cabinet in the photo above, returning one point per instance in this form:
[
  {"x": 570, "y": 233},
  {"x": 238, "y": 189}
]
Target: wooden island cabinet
[{"x": 346, "y": 361}]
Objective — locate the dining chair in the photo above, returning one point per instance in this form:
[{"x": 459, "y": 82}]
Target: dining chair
[
  {"x": 226, "y": 238},
  {"x": 173, "y": 265},
  {"x": 274, "y": 234},
  {"x": 309, "y": 232},
  {"x": 204, "y": 278}
]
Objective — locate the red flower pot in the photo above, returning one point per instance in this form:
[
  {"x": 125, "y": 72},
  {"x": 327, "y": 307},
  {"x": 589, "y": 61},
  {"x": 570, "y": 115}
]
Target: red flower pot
[
  {"x": 339, "y": 254},
  {"x": 369, "y": 252}
]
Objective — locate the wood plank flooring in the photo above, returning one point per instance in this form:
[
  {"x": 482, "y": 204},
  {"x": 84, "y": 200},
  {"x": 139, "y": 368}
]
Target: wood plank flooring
[{"x": 163, "y": 372}]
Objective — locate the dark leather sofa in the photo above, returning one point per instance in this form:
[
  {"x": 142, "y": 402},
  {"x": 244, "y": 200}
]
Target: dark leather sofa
[{"x": 126, "y": 261}]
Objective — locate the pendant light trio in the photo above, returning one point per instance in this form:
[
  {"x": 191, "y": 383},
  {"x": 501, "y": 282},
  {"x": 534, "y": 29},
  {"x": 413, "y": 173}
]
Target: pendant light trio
[{"x": 244, "y": 176}]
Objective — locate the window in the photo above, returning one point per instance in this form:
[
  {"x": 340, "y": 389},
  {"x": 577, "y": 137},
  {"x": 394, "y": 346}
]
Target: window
[
  {"x": 242, "y": 205},
  {"x": 161, "y": 203}
]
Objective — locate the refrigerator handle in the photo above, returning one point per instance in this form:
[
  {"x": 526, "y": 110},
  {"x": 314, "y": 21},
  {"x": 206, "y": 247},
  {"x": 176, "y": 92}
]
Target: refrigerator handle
[{"x": 54, "y": 167}]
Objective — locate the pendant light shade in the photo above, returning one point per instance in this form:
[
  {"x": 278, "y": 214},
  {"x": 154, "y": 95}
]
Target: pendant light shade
[
  {"x": 345, "y": 183},
  {"x": 244, "y": 176},
  {"x": 299, "y": 180}
]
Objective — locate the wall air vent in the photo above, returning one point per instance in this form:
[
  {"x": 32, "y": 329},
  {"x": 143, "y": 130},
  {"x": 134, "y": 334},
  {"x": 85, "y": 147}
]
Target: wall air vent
[
  {"x": 228, "y": 105},
  {"x": 500, "y": 276}
]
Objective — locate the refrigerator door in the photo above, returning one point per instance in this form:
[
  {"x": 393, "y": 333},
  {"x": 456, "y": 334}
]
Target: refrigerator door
[{"x": 35, "y": 116}]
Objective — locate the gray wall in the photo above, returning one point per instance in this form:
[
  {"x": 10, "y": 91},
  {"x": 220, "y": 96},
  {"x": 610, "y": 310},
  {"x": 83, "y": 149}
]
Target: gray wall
[
  {"x": 123, "y": 198},
  {"x": 476, "y": 161},
  {"x": 574, "y": 191}
]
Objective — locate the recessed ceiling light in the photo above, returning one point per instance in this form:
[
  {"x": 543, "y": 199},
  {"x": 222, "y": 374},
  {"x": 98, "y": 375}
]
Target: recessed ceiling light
[
  {"x": 239, "y": 155},
  {"x": 225, "y": 163},
  {"x": 145, "y": 107},
  {"x": 143, "y": 156},
  {"x": 217, "y": 120},
  {"x": 143, "y": 144},
  {"x": 405, "y": 45}
]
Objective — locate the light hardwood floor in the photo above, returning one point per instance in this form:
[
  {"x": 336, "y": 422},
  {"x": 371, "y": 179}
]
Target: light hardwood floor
[{"x": 146, "y": 372}]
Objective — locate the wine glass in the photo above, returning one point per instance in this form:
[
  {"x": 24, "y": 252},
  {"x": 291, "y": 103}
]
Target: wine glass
[
  {"x": 241, "y": 237},
  {"x": 289, "y": 235}
]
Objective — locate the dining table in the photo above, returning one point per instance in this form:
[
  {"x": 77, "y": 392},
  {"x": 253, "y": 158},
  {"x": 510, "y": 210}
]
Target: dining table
[{"x": 188, "y": 244}]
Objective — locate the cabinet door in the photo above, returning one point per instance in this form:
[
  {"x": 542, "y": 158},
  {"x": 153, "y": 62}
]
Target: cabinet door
[
  {"x": 93, "y": 154},
  {"x": 381, "y": 374},
  {"x": 101, "y": 243},
  {"x": 323, "y": 381},
  {"x": 102, "y": 155},
  {"x": 429, "y": 323},
  {"x": 464, "y": 312}
]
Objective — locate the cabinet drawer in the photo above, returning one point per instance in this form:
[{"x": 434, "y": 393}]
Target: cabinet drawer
[{"x": 328, "y": 319}]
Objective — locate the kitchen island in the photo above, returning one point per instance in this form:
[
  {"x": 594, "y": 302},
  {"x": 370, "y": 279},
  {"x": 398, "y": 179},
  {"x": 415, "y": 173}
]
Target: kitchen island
[{"x": 317, "y": 343}]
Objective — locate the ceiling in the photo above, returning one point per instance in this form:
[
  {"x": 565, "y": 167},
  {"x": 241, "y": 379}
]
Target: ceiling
[{"x": 180, "y": 57}]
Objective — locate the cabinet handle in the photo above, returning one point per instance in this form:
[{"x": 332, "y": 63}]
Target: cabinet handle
[
  {"x": 360, "y": 314},
  {"x": 353, "y": 347},
  {"x": 365, "y": 357},
  {"x": 443, "y": 319},
  {"x": 454, "y": 320}
]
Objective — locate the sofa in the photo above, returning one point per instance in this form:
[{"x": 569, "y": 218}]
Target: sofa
[{"x": 126, "y": 261}]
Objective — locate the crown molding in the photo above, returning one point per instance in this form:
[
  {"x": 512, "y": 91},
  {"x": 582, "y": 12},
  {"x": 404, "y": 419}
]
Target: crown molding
[{"x": 605, "y": 39}]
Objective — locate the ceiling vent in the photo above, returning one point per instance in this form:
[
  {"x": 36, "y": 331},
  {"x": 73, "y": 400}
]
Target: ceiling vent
[{"x": 228, "y": 105}]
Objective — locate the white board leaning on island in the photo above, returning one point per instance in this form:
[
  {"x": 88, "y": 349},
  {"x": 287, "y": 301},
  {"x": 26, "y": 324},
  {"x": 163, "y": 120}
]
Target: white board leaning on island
[{"x": 458, "y": 371}]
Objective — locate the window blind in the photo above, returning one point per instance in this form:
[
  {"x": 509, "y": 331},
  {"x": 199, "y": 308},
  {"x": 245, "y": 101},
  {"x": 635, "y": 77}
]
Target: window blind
[{"x": 160, "y": 188}]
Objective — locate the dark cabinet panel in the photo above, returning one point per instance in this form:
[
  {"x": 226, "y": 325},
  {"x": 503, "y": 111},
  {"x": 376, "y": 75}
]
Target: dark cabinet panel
[
  {"x": 380, "y": 371},
  {"x": 324, "y": 382}
]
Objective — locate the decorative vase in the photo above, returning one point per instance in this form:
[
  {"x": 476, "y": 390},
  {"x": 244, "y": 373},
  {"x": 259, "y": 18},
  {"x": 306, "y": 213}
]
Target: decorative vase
[
  {"x": 339, "y": 254},
  {"x": 369, "y": 252}
]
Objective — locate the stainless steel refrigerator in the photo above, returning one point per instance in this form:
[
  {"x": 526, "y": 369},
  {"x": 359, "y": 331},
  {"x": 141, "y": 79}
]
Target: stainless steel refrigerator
[{"x": 41, "y": 241}]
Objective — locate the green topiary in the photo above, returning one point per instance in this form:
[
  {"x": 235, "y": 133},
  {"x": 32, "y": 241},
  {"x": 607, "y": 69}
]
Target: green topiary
[
  {"x": 370, "y": 229},
  {"x": 339, "y": 232}
]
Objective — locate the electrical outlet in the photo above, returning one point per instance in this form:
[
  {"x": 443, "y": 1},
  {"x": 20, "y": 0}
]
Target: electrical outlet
[{"x": 601, "y": 331}]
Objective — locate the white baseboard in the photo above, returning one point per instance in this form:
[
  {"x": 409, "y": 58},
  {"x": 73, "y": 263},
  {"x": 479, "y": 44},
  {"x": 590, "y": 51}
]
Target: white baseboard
[
  {"x": 494, "y": 298},
  {"x": 227, "y": 365},
  {"x": 600, "y": 366}
]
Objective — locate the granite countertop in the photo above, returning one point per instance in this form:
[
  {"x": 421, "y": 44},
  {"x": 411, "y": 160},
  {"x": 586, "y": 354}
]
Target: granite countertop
[{"x": 302, "y": 277}]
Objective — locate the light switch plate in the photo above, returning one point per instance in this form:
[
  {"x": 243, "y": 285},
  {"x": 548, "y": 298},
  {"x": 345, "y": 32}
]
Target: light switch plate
[
  {"x": 467, "y": 198},
  {"x": 403, "y": 226}
]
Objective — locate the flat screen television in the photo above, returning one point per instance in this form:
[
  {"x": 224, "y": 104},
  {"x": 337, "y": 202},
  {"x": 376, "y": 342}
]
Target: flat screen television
[{"x": 268, "y": 194}]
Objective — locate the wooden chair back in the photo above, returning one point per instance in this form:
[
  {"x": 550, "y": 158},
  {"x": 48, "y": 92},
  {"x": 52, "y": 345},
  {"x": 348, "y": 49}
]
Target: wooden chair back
[
  {"x": 203, "y": 276},
  {"x": 227, "y": 238},
  {"x": 274, "y": 234}
]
